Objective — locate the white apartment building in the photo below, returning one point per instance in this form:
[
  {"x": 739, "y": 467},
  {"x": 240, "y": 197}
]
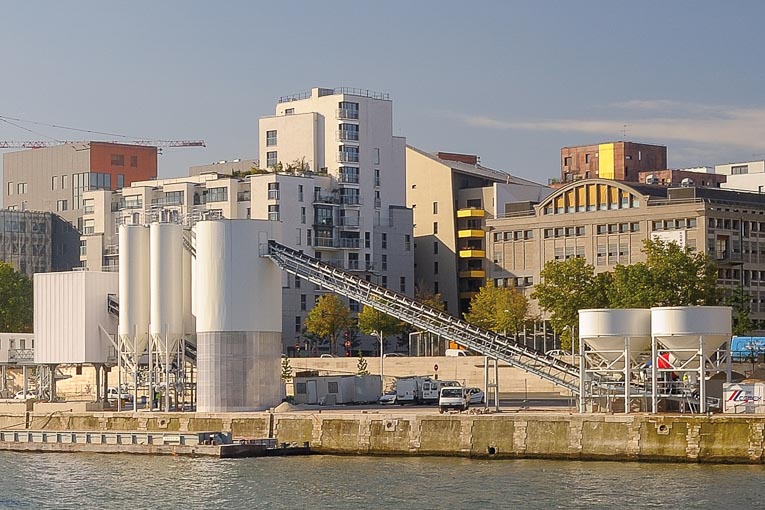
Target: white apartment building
[{"x": 342, "y": 202}]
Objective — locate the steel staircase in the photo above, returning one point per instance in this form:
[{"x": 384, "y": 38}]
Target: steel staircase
[{"x": 424, "y": 317}]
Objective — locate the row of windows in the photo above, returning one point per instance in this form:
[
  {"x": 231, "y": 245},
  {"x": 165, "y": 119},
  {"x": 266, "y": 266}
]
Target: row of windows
[
  {"x": 518, "y": 281},
  {"x": 19, "y": 188},
  {"x": 517, "y": 235},
  {"x": 673, "y": 224},
  {"x": 119, "y": 160},
  {"x": 618, "y": 228}
]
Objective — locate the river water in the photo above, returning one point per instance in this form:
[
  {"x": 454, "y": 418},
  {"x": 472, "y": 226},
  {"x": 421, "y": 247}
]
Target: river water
[{"x": 134, "y": 482}]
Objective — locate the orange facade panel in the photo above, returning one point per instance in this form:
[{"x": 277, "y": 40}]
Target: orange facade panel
[{"x": 132, "y": 162}]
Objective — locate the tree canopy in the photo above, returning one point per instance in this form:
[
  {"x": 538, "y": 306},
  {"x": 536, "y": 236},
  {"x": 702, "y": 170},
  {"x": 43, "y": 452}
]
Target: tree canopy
[
  {"x": 16, "y": 300},
  {"x": 670, "y": 276},
  {"x": 328, "y": 319},
  {"x": 380, "y": 324},
  {"x": 498, "y": 309}
]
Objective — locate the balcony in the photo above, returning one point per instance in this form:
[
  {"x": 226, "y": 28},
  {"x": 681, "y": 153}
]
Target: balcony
[
  {"x": 472, "y": 254},
  {"x": 347, "y": 136},
  {"x": 350, "y": 200},
  {"x": 346, "y": 114},
  {"x": 21, "y": 355},
  {"x": 243, "y": 196},
  {"x": 471, "y": 234},
  {"x": 112, "y": 250},
  {"x": 473, "y": 273},
  {"x": 336, "y": 243},
  {"x": 348, "y": 157},
  {"x": 349, "y": 178},
  {"x": 273, "y": 194},
  {"x": 349, "y": 221},
  {"x": 471, "y": 213}
]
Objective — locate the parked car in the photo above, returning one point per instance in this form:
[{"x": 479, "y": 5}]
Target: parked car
[
  {"x": 326, "y": 356},
  {"x": 389, "y": 397},
  {"x": 557, "y": 353},
  {"x": 456, "y": 352},
  {"x": 28, "y": 396},
  {"x": 113, "y": 394},
  {"x": 394, "y": 355},
  {"x": 475, "y": 395}
]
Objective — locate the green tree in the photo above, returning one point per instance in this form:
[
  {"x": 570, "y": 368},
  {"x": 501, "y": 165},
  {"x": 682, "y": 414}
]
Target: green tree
[
  {"x": 361, "y": 366},
  {"x": 741, "y": 302},
  {"x": 498, "y": 309},
  {"x": 328, "y": 319},
  {"x": 377, "y": 323},
  {"x": 286, "y": 369},
  {"x": 670, "y": 276},
  {"x": 567, "y": 287},
  {"x": 16, "y": 300}
]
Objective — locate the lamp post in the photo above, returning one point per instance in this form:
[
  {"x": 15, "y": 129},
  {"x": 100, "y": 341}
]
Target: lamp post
[{"x": 382, "y": 362}]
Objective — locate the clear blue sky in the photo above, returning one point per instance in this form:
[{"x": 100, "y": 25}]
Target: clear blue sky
[{"x": 511, "y": 81}]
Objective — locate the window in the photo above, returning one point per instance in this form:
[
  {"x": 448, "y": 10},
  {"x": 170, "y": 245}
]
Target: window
[
  {"x": 739, "y": 169},
  {"x": 271, "y": 158},
  {"x": 567, "y": 161},
  {"x": 332, "y": 387},
  {"x": 348, "y": 110},
  {"x": 302, "y": 215},
  {"x": 273, "y": 213},
  {"x": 384, "y": 241},
  {"x": 384, "y": 262},
  {"x": 377, "y": 176},
  {"x": 118, "y": 160},
  {"x": 435, "y": 267},
  {"x": 271, "y": 138},
  {"x": 64, "y": 181},
  {"x": 298, "y": 324},
  {"x": 435, "y": 287},
  {"x": 289, "y": 111},
  {"x": 300, "y": 388},
  {"x": 134, "y": 161},
  {"x": 367, "y": 240},
  {"x": 375, "y": 156},
  {"x": 435, "y": 207},
  {"x": 300, "y": 192},
  {"x": 402, "y": 284},
  {"x": 297, "y": 282},
  {"x": 348, "y": 154},
  {"x": 384, "y": 281},
  {"x": 120, "y": 181},
  {"x": 273, "y": 191},
  {"x": 61, "y": 205},
  {"x": 22, "y": 187},
  {"x": 216, "y": 195},
  {"x": 54, "y": 182},
  {"x": 308, "y": 237},
  {"x": 349, "y": 174},
  {"x": 435, "y": 248},
  {"x": 435, "y": 227},
  {"x": 10, "y": 188},
  {"x": 528, "y": 234},
  {"x": 303, "y": 300},
  {"x": 407, "y": 242},
  {"x": 587, "y": 158}
]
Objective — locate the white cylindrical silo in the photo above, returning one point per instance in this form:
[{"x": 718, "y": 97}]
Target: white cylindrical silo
[
  {"x": 684, "y": 329},
  {"x": 606, "y": 331},
  {"x": 166, "y": 320},
  {"x": 238, "y": 302},
  {"x": 189, "y": 327},
  {"x": 134, "y": 293}
]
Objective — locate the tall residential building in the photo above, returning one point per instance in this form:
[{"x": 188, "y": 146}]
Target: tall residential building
[
  {"x": 338, "y": 193},
  {"x": 37, "y": 242},
  {"x": 452, "y": 196},
  {"x": 606, "y": 222},
  {"x": 53, "y": 179},
  {"x": 620, "y": 161}
]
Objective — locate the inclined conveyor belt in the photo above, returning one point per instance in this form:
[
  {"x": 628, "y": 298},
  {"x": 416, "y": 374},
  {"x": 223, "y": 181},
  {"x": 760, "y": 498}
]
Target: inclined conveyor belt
[{"x": 424, "y": 317}]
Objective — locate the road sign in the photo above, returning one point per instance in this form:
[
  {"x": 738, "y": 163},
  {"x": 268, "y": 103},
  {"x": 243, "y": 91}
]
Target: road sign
[{"x": 435, "y": 367}]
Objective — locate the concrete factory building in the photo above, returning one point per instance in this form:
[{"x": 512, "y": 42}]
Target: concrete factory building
[
  {"x": 37, "y": 242},
  {"x": 333, "y": 180}
]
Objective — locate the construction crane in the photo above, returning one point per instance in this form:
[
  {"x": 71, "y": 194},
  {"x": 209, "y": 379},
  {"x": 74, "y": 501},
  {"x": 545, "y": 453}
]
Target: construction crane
[{"x": 36, "y": 144}]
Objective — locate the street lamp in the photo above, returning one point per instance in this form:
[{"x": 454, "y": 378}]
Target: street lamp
[{"x": 382, "y": 362}]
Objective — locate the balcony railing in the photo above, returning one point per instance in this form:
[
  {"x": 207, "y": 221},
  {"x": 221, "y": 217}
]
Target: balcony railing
[
  {"x": 89, "y": 209},
  {"x": 350, "y": 199},
  {"x": 349, "y": 178},
  {"x": 326, "y": 242},
  {"x": 112, "y": 250},
  {"x": 345, "y": 135},
  {"x": 273, "y": 194},
  {"x": 346, "y": 114},
  {"x": 349, "y": 221},
  {"x": 348, "y": 157},
  {"x": 243, "y": 196},
  {"x": 21, "y": 355}
]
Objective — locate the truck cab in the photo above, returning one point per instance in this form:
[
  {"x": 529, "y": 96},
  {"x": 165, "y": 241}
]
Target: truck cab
[{"x": 453, "y": 397}]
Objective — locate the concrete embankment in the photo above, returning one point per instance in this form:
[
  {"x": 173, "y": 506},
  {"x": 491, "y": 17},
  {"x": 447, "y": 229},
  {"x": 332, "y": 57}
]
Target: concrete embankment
[{"x": 679, "y": 438}]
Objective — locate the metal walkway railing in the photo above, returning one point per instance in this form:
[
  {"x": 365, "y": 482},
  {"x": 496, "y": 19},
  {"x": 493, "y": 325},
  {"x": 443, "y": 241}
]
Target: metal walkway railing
[{"x": 424, "y": 317}]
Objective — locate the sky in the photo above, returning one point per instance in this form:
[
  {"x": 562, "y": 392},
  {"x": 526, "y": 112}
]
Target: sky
[{"x": 510, "y": 81}]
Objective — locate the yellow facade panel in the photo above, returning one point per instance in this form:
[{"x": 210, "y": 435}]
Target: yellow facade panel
[
  {"x": 471, "y": 213},
  {"x": 470, "y": 233},
  {"x": 606, "y": 161},
  {"x": 592, "y": 194},
  {"x": 581, "y": 196}
]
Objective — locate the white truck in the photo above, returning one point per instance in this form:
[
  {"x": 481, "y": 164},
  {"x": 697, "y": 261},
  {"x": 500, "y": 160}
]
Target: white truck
[
  {"x": 453, "y": 397},
  {"x": 420, "y": 390}
]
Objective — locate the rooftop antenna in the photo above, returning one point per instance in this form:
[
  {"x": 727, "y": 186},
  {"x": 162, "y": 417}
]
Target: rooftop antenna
[{"x": 624, "y": 132}]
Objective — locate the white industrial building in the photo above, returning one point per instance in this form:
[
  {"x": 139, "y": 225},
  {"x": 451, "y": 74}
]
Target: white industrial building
[{"x": 331, "y": 174}]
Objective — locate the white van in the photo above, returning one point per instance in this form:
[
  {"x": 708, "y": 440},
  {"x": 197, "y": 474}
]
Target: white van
[
  {"x": 457, "y": 352},
  {"x": 453, "y": 397}
]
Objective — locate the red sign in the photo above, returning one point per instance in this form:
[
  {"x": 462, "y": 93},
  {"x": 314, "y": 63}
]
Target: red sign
[{"x": 435, "y": 367}]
